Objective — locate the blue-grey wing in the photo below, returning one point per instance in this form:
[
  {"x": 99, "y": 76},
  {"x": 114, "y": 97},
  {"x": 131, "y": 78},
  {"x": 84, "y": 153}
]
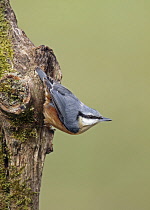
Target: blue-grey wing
[{"x": 67, "y": 106}]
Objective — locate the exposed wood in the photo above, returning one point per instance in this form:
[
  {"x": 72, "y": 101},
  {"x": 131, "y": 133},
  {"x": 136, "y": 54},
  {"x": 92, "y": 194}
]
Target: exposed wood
[{"x": 24, "y": 140}]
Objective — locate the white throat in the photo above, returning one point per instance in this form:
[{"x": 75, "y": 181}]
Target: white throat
[{"x": 86, "y": 123}]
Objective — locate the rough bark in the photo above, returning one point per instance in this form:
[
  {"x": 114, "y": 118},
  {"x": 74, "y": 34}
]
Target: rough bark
[{"x": 24, "y": 140}]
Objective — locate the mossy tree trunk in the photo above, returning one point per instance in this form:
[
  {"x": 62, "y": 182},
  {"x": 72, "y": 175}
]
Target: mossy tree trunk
[{"x": 24, "y": 140}]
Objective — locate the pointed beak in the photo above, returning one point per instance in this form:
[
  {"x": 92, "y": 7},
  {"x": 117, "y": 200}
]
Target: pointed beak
[{"x": 105, "y": 119}]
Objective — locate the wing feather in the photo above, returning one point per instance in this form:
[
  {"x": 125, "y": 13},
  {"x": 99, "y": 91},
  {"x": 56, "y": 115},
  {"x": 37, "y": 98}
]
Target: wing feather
[{"x": 66, "y": 104}]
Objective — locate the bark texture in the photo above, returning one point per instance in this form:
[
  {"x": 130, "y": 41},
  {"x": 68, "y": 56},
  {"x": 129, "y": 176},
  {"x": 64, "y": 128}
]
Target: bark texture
[{"x": 24, "y": 140}]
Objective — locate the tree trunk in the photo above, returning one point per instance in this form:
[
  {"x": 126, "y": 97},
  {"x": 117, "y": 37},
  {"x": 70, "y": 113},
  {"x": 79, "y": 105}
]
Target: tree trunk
[{"x": 24, "y": 140}]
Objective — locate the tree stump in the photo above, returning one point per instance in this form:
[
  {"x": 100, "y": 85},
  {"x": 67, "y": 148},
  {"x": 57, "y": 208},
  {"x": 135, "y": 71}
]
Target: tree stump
[{"x": 24, "y": 139}]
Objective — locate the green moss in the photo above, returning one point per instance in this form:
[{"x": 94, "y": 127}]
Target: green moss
[
  {"x": 12, "y": 91},
  {"x": 13, "y": 192},
  {"x": 24, "y": 134},
  {"x": 26, "y": 117},
  {"x": 20, "y": 193},
  {"x": 6, "y": 51},
  {"x": 23, "y": 125}
]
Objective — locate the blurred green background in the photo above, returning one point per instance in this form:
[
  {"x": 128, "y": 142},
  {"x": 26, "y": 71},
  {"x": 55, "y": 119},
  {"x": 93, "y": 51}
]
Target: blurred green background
[{"x": 103, "y": 48}]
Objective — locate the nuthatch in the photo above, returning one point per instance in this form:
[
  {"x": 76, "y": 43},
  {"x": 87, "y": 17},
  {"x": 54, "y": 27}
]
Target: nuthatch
[{"x": 63, "y": 110}]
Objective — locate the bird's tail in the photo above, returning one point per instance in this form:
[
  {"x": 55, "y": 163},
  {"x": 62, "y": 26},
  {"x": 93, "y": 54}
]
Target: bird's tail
[
  {"x": 41, "y": 74},
  {"x": 48, "y": 81}
]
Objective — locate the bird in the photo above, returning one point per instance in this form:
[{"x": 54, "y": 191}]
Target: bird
[{"x": 64, "y": 111}]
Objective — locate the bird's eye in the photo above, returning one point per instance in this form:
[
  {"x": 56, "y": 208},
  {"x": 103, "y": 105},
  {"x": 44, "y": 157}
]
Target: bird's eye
[
  {"x": 92, "y": 117},
  {"x": 89, "y": 116}
]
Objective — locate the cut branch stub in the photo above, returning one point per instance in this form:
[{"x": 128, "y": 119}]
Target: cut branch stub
[
  {"x": 14, "y": 94},
  {"x": 24, "y": 139},
  {"x": 45, "y": 59}
]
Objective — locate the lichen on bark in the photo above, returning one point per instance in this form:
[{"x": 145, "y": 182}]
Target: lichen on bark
[
  {"x": 24, "y": 139},
  {"x": 13, "y": 192},
  {"x": 6, "y": 51}
]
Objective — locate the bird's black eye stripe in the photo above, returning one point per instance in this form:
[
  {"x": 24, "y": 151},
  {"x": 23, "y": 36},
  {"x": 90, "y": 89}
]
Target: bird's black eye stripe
[{"x": 89, "y": 116}]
